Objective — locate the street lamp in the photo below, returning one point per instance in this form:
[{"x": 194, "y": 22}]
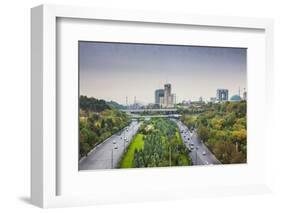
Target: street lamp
[
  {"x": 124, "y": 140},
  {"x": 196, "y": 148},
  {"x": 112, "y": 159}
]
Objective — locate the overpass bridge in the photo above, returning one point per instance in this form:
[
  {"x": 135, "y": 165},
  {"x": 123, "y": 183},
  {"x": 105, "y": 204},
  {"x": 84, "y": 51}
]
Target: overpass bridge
[
  {"x": 152, "y": 113},
  {"x": 166, "y": 110},
  {"x": 175, "y": 116}
]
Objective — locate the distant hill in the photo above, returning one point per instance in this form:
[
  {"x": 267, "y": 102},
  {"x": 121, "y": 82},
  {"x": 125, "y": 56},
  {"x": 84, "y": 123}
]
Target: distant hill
[
  {"x": 93, "y": 104},
  {"x": 98, "y": 105},
  {"x": 115, "y": 105}
]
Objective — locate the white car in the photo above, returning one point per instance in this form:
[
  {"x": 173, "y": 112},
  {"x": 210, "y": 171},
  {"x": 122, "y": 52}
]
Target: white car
[{"x": 204, "y": 153}]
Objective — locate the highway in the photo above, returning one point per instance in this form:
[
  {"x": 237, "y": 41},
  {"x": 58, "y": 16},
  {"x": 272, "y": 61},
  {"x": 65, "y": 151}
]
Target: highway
[
  {"x": 199, "y": 154},
  {"x": 107, "y": 154}
]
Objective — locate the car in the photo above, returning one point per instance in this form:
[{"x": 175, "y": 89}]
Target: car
[
  {"x": 204, "y": 153},
  {"x": 114, "y": 142}
]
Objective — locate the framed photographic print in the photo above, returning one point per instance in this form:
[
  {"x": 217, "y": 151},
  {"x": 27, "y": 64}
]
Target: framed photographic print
[
  {"x": 131, "y": 117},
  {"x": 148, "y": 105}
]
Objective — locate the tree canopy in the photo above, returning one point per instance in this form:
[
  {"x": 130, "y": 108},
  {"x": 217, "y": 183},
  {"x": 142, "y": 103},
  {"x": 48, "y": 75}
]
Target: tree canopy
[{"x": 223, "y": 128}]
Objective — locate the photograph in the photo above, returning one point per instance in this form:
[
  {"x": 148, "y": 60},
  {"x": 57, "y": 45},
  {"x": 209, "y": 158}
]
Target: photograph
[{"x": 147, "y": 105}]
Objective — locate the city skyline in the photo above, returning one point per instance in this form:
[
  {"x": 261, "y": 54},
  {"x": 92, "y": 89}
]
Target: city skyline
[{"x": 120, "y": 71}]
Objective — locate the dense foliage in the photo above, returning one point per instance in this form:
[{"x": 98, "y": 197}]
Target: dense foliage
[
  {"x": 116, "y": 105},
  {"x": 92, "y": 104},
  {"x": 98, "y": 121},
  {"x": 223, "y": 128},
  {"x": 162, "y": 146}
]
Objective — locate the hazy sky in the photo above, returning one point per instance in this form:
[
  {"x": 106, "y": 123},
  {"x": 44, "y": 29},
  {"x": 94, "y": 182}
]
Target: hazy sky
[{"x": 112, "y": 71}]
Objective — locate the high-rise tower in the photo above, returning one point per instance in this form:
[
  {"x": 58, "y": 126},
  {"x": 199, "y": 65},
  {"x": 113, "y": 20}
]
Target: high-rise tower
[
  {"x": 158, "y": 94},
  {"x": 222, "y": 95}
]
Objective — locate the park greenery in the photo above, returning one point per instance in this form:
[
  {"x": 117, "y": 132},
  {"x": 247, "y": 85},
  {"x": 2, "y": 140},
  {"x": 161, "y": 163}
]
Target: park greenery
[
  {"x": 137, "y": 144},
  {"x": 223, "y": 128},
  {"x": 157, "y": 144},
  {"x": 98, "y": 121}
]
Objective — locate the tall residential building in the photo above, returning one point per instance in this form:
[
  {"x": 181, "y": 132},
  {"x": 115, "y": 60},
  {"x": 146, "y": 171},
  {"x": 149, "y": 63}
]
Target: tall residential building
[
  {"x": 164, "y": 97},
  {"x": 222, "y": 95},
  {"x": 167, "y": 94},
  {"x": 158, "y": 94},
  {"x": 169, "y": 98}
]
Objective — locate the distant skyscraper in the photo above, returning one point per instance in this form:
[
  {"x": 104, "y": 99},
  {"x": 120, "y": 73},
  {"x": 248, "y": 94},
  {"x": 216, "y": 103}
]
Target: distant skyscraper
[
  {"x": 158, "y": 94},
  {"x": 167, "y": 93},
  {"x": 164, "y": 97},
  {"x": 168, "y": 96},
  {"x": 222, "y": 95}
]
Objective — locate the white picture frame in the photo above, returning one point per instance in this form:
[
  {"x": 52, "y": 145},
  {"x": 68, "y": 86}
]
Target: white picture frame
[{"x": 45, "y": 152}]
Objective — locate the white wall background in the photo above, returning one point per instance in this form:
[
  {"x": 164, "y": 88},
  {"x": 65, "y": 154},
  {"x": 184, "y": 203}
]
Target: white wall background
[{"x": 15, "y": 104}]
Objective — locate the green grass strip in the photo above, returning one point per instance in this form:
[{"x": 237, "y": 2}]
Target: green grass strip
[{"x": 128, "y": 159}]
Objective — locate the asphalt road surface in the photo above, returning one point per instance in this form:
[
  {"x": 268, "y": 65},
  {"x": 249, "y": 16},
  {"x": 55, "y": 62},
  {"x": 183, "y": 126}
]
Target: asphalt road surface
[
  {"x": 107, "y": 154},
  {"x": 199, "y": 154}
]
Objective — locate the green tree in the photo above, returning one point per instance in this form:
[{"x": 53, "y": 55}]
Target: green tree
[{"x": 202, "y": 132}]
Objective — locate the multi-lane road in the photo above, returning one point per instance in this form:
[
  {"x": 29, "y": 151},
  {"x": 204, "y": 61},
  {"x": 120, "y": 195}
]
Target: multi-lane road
[
  {"x": 107, "y": 154},
  {"x": 199, "y": 154}
]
